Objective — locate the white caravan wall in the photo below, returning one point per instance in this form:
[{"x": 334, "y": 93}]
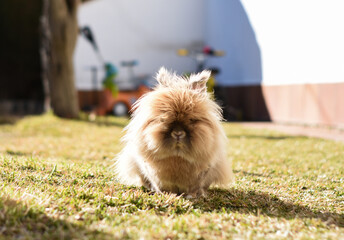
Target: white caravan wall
[
  {"x": 301, "y": 41},
  {"x": 228, "y": 28},
  {"x": 149, "y": 31}
]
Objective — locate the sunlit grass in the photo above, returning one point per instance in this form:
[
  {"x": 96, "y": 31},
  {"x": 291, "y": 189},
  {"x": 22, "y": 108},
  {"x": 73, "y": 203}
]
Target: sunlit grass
[{"x": 57, "y": 182}]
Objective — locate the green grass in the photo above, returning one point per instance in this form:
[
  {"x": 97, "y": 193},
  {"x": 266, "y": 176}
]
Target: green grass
[{"x": 57, "y": 182}]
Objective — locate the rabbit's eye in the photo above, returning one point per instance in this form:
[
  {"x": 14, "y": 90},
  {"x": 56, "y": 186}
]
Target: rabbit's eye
[{"x": 194, "y": 120}]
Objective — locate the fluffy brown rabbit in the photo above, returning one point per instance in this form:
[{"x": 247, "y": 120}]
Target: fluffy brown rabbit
[{"x": 175, "y": 141}]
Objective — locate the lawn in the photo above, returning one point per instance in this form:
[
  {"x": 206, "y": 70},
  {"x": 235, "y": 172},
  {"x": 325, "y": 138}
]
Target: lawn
[{"x": 57, "y": 182}]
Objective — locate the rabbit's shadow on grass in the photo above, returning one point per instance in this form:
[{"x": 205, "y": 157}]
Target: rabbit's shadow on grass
[
  {"x": 254, "y": 202},
  {"x": 258, "y": 203}
]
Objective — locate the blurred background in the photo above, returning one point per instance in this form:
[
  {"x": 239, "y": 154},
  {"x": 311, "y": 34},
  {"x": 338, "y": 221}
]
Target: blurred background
[{"x": 273, "y": 60}]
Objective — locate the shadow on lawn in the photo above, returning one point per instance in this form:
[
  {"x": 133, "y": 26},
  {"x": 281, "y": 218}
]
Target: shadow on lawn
[
  {"x": 17, "y": 153},
  {"x": 251, "y": 174},
  {"x": 105, "y": 122},
  {"x": 19, "y": 221},
  {"x": 4, "y": 119},
  {"x": 266, "y": 137},
  {"x": 261, "y": 203}
]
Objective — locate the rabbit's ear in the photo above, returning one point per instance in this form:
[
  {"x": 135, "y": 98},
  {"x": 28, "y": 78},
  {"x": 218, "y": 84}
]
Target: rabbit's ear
[
  {"x": 164, "y": 77},
  {"x": 199, "y": 81}
]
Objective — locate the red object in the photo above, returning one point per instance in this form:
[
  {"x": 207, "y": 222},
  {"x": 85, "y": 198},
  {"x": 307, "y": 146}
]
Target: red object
[
  {"x": 107, "y": 101},
  {"x": 207, "y": 50}
]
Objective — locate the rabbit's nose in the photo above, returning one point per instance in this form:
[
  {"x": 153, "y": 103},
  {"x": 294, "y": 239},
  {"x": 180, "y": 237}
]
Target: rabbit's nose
[{"x": 178, "y": 134}]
